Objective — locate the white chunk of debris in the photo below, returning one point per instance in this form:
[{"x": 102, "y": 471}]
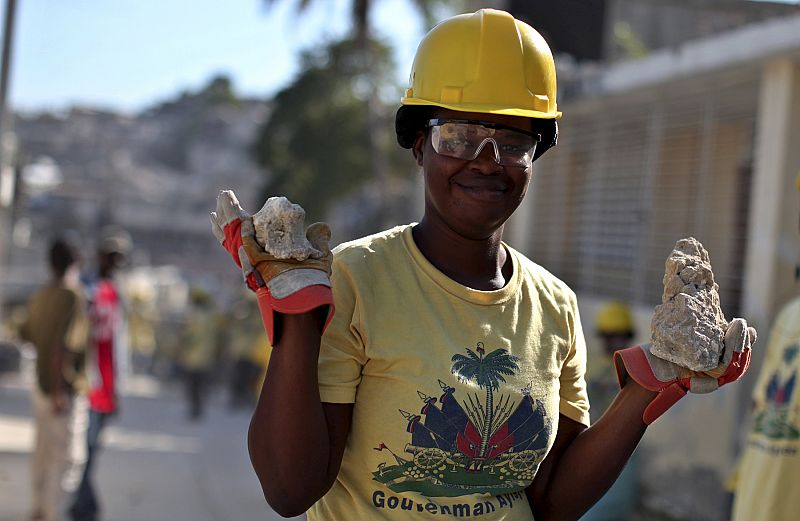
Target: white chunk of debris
[
  {"x": 280, "y": 230},
  {"x": 688, "y": 327}
]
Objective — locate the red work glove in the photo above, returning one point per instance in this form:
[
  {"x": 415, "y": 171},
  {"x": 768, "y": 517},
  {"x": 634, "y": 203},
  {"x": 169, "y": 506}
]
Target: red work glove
[
  {"x": 672, "y": 381},
  {"x": 226, "y": 224},
  {"x": 287, "y": 286}
]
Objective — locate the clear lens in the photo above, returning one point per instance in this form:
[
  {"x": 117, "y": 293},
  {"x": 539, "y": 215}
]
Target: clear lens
[{"x": 467, "y": 140}]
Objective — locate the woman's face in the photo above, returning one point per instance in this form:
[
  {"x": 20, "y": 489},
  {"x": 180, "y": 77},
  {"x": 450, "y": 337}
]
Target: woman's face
[{"x": 474, "y": 198}]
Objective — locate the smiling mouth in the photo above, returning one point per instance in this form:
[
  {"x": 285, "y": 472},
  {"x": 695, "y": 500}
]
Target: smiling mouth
[{"x": 483, "y": 189}]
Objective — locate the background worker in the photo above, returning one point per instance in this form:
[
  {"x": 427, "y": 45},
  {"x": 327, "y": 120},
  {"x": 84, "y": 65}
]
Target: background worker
[
  {"x": 106, "y": 360},
  {"x": 249, "y": 350},
  {"x": 56, "y": 326},
  {"x": 199, "y": 351},
  {"x": 445, "y": 306},
  {"x": 768, "y": 474},
  {"x": 614, "y": 326}
]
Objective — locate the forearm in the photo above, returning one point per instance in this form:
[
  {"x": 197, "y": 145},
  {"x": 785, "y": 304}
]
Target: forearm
[
  {"x": 593, "y": 460},
  {"x": 289, "y": 438},
  {"x": 296, "y": 442}
]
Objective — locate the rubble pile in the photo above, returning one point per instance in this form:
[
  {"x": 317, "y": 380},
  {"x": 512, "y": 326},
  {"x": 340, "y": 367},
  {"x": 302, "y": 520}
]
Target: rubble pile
[
  {"x": 279, "y": 229},
  {"x": 688, "y": 327}
]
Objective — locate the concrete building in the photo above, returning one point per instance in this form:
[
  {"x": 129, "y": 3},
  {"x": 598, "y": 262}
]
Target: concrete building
[{"x": 699, "y": 139}]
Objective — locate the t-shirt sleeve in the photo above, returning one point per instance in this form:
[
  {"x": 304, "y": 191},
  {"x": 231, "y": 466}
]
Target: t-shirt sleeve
[
  {"x": 342, "y": 353},
  {"x": 574, "y": 399}
]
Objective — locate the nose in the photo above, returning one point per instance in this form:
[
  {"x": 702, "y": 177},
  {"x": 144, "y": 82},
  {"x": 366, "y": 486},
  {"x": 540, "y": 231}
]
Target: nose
[{"x": 488, "y": 157}]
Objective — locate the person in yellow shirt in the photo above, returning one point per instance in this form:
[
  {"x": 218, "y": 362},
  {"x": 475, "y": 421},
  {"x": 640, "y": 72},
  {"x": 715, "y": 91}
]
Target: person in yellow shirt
[
  {"x": 199, "y": 351},
  {"x": 245, "y": 342},
  {"x": 56, "y": 324},
  {"x": 768, "y": 473},
  {"x": 615, "y": 328},
  {"x": 431, "y": 370}
]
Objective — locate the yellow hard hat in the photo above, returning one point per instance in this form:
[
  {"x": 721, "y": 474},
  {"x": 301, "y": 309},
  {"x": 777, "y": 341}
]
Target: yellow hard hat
[
  {"x": 487, "y": 62},
  {"x": 614, "y": 318}
]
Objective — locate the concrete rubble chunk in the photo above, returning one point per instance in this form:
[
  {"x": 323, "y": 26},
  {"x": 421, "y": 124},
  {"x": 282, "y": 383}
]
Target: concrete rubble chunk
[
  {"x": 280, "y": 230},
  {"x": 688, "y": 327}
]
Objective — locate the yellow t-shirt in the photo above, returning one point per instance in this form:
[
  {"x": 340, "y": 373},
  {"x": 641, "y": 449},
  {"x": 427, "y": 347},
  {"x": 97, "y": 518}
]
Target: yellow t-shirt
[
  {"x": 199, "y": 346},
  {"x": 769, "y": 472},
  {"x": 457, "y": 392}
]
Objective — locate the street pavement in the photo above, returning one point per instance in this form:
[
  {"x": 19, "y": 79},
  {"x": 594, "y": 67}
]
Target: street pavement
[{"x": 156, "y": 465}]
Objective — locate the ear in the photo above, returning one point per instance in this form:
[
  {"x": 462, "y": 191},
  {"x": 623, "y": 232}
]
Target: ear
[{"x": 419, "y": 146}]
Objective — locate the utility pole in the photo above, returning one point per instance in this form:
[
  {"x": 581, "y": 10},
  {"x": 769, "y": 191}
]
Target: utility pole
[
  {"x": 7, "y": 177},
  {"x": 5, "y": 67}
]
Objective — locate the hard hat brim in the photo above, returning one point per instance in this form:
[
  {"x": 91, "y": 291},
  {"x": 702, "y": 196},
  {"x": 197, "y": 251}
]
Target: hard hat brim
[{"x": 484, "y": 109}]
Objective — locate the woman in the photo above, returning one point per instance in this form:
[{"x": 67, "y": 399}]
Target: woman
[{"x": 449, "y": 381}]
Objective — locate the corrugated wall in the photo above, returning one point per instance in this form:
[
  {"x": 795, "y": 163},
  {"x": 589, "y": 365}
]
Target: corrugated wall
[{"x": 632, "y": 174}]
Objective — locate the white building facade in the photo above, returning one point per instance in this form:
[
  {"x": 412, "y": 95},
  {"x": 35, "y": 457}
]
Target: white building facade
[{"x": 700, "y": 140}]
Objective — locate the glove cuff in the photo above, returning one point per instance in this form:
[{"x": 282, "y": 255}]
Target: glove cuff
[
  {"x": 633, "y": 363},
  {"x": 301, "y": 301},
  {"x": 293, "y": 280}
]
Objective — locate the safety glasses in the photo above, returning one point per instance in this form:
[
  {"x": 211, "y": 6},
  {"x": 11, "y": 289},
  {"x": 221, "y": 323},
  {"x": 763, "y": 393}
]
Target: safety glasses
[{"x": 465, "y": 139}]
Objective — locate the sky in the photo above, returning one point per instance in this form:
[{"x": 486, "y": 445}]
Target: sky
[{"x": 128, "y": 54}]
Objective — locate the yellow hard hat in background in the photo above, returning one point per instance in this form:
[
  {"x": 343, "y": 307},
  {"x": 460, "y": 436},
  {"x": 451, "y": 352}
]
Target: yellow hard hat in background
[
  {"x": 114, "y": 239},
  {"x": 486, "y": 62},
  {"x": 614, "y": 318},
  {"x": 200, "y": 296}
]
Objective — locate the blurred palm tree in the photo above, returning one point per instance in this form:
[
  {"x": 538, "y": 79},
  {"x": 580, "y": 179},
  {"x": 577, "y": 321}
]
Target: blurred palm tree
[
  {"x": 360, "y": 10},
  {"x": 369, "y": 49},
  {"x": 313, "y": 144}
]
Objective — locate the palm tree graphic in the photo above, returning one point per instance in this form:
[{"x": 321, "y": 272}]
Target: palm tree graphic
[{"x": 487, "y": 371}]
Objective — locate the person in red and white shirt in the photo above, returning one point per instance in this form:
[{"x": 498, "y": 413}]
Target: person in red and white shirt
[{"x": 106, "y": 354}]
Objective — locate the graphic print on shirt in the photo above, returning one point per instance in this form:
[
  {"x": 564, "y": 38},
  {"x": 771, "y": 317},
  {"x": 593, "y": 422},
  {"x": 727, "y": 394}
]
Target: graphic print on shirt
[
  {"x": 471, "y": 444},
  {"x": 776, "y": 420}
]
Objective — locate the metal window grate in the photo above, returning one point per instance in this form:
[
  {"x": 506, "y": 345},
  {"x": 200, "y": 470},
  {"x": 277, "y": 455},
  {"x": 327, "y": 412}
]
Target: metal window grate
[{"x": 632, "y": 174}]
